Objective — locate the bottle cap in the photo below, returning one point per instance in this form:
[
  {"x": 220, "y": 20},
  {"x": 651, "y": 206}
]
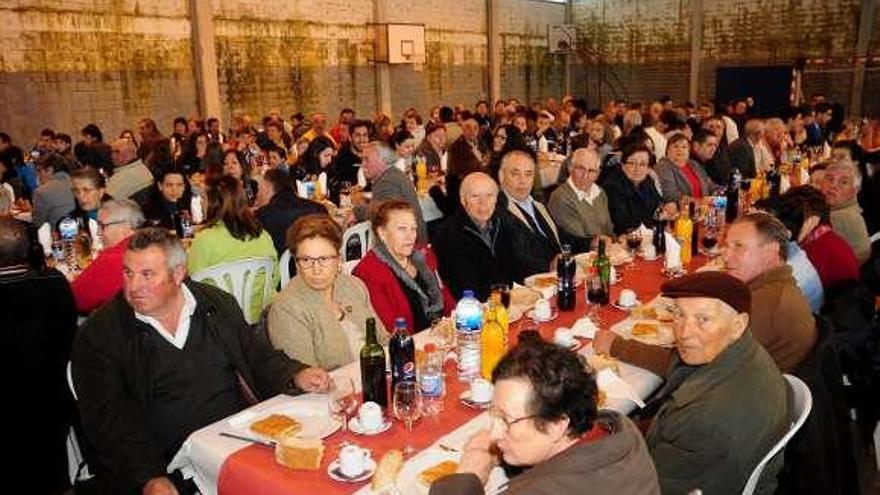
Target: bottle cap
[
  {"x": 467, "y": 293},
  {"x": 399, "y": 323}
]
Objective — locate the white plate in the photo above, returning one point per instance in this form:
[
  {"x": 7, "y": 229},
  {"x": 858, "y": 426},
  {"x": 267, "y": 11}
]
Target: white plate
[
  {"x": 531, "y": 314},
  {"x": 408, "y": 479},
  {"x": 354, "y": 424},
  {"x": 312, "y": 415},
  {"x": 575, "y": 345},
  {"x": 626, "y": 308},
  {"x": 334, "y": 473},
  {"x": 465, "y": 399}
]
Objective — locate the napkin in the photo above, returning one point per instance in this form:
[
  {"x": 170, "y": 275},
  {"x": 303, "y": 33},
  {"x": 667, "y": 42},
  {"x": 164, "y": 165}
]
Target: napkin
[
  {"x": 615, "y": 387},
  {"x": 44, "y": 235},
  {"x": 301, "y": 190},
  {"x": 195, "y": 206},
  {"x": 584, "y": 328},
  {"x": 97, "y": 245},
  {"x": 673, "y": 252},
  {"x": 322, "y": 180},
  {"x": 647, "y": 236},
  {"x": 362, "y": 179}
]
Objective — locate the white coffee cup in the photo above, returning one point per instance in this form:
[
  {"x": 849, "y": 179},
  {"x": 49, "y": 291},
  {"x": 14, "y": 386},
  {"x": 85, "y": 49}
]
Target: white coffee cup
[
  {"x": 649, "y": 252},
  {"x": 370, "y": 416},
  {"x": 481, "y": 390},
  {"x": 542, "y": 309},
  {"x": 612, "y": 275},
  {"x": 627, "y": 298},
  {"x": 353, "y": 460},
  {"x": 563, "y": 336}
]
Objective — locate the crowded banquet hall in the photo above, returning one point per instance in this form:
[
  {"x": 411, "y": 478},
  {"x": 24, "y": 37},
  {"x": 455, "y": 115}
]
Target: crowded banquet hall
[{"x": 545, "y": 247}]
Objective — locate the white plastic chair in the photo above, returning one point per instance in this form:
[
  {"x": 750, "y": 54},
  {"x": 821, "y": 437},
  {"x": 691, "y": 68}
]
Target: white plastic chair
[
  {"x": 348, "y": 266},
  {"x": 803, "y": 403},
  {"x": 238, "y": 278},
  {"x": 284, "y": 267},
  {"x": 362, "y": 231}
]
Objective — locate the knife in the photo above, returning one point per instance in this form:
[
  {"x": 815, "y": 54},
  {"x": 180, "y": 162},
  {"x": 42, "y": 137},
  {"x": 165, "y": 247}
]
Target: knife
[{"x": 265, "y": 443}]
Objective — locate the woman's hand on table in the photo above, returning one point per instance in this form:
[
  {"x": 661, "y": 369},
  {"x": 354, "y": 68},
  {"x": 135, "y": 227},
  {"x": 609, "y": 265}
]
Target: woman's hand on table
[
  {"x": 159, "y": 486},
  {"x": 478, "y": 457},
  {"x": 602, "y": 341},
  {"x": 315, "y": 380}
]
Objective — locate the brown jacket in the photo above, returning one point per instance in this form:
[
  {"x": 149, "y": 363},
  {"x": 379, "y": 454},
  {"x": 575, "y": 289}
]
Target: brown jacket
[
  {"x": 618, "y": 464},
  {"x": 780, "y": 320}
]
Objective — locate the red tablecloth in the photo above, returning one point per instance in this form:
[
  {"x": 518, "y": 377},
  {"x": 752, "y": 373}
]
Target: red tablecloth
[{"x": 252, "y": 470}]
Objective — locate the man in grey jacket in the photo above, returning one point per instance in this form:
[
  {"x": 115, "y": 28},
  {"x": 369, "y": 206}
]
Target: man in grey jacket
[
  {"x": 388, "y": 183},
  {"x": 53, "y": 200}
]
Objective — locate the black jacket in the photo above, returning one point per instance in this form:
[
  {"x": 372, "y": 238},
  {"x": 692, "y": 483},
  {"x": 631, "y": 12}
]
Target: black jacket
[
  {"x": 283, "y": 209},
  {"x": 347, "y": 165},
  {"x": 628, "y": 204},
  {"x": 742, "y": 156},
  {"x": 530, "y": 252},
  {"x": 110, "y": 371},
  {"x": 465, "y": 261},
  {"x": 161, "y": 213}
]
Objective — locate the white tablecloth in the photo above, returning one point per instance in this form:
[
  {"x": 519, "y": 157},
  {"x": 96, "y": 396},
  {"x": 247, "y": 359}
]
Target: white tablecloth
[
  {"x": 430, "y": 212},
  {"x": 203, "y": 453}
]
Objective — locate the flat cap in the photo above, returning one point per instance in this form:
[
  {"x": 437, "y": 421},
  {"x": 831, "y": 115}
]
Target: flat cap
[{"x": 715, "y": 285}]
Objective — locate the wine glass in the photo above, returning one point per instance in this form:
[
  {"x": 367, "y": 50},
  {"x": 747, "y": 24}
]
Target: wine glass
[
  {"x": 343, "y": 400},
  {"x": 504, "y": 291},
  {"x": 596, "y": 295},
  {"x": 407, "y": 408},
  {"x": 633, "y": 242},
  {"x": 443, "y": 335}
]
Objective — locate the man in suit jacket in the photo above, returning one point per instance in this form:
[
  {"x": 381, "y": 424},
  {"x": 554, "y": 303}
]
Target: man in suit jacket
[
  {"x": 53, "y": 200},
  {"x": 389, "y": 182},
  {"x": 748, "y": 153},
  {"x": 535, "y": 240}
]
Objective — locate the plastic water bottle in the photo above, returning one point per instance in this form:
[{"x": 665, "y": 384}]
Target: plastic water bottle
[
  {"x": 468, "y": 326},
  {"x": 431, "y": 381},
  {"x": 69, "y": 230}
]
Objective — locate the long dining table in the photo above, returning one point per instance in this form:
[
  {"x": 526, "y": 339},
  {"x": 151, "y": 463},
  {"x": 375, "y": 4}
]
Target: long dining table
[{"x": 219, "y": 464}]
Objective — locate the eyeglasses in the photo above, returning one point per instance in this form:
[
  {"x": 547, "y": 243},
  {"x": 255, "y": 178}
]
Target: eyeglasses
[
  {"x": 504, "y": 424},
  {"x": 104, "y": 225},
  {"x": 501, "y": 137},
  {"x": 636, "y": 164},
  {"x": 310, "y": 262}
]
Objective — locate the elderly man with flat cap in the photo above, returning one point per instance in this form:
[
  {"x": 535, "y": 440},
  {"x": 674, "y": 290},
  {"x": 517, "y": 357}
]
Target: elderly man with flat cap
[{"x": 725, "y": 403}]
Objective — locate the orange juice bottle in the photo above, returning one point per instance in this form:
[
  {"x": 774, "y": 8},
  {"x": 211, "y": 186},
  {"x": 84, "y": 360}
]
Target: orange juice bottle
[
  {"x": 493, "y": 340},
  {"x": 684, "y": 230}
]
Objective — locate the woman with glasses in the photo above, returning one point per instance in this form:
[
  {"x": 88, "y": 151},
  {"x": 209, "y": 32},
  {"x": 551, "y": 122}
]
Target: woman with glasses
[
  {"x": 632, "y": 195},
  {"x": 505, "y": 139},
  {"x": 231, "y": 233},
  {"x": 401, "y": 275},
  {"x": 544, "y": 416},
  {"x": 89, "y": 189},
  {"x": 318, "y": 318}
]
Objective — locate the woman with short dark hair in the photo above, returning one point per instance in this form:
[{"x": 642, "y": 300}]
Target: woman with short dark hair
[
  {"x": 319, "y": 316},
  {"x": 402, "y": 276},
  {"x": 544, "y": 416}
]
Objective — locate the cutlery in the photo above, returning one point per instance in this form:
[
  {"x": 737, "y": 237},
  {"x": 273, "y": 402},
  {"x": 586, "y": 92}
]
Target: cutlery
[{"x": 265, "y": 443}]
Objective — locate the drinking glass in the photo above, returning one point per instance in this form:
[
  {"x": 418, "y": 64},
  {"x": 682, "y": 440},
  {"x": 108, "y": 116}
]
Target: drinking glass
[
  {"x": 633, "y": 241},
  {"x": 407, "y": 405},
  {"x": 595, "y": 297},
  {"x": 443, "y": 335},
  {"x": 343, "y": 400},
  {"x": 504, "y": 291}
]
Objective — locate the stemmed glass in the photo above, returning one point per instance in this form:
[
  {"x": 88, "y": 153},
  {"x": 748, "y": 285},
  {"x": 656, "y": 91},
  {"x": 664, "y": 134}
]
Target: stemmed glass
[
  {"x": 343, "y": 400},
  {"x": 407, "y": 408},
  {"x": 443, "y": 335},
  {"x": 596, "y": 295},
  {"x": 633, "y": 242}
]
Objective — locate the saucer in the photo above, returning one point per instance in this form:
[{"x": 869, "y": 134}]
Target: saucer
[
  {"x": 465, "y": 399},
  {"x": 531, "y": 315},
  {"x": 336, "y": 474},
  {"x": 573, "y": 346},
  {"x": 626, "y": 308},
  {"x": 354, "y": 424}
]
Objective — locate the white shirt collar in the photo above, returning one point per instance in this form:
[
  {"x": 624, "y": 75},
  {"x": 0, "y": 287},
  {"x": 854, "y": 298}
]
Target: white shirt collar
[
  {"x": 588, "y": 196},
  {"x": 179, "y": 338}
]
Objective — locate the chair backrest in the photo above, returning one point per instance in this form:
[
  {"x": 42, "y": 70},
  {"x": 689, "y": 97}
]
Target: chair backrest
[
  {"x": 803, "y": 403},
  {"x": 284, "y": 267},
  {"x": 239, "y": 278},
  {"x": 361, "y": 232}
]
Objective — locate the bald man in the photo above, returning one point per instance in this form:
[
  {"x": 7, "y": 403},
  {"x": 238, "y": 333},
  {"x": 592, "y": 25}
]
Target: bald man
[
  {"x": 131, "y": 179},
  {"x": 472, "y": 247}
]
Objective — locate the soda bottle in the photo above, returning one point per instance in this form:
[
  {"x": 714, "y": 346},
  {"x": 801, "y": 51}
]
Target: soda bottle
[{"x": 403, "y": 354}]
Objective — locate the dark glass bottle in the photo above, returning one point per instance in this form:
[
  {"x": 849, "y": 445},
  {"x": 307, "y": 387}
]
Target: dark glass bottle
[
  {"x": 565, "y": 271},
  {"x": 659, "y": 238},
  {"x": 603, "y": 268},
  {"x": 373, "y": 379}
]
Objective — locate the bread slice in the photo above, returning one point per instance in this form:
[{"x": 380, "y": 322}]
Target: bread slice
[
  {"x": 645, "y": 329},
  {"x": 299, "y": 453},
  {"x": 274, "y": 425},
  {"x": 387, "y": 469},
  {"x": 434, "y": 473}
]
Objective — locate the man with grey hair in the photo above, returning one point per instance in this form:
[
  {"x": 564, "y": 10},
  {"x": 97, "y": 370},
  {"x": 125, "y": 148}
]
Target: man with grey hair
[
  {"x": 579, "y": 206},
  {"x": 840, "y": 185},
  {"x": 389, "y": 182},
  {"x": 166, "y": 357},
  {"x": 749, "y": 154},
  {"x": 532, "y": 230},
  {"x": 102, "y": 279},
  {"x": 131, "y": 178}
]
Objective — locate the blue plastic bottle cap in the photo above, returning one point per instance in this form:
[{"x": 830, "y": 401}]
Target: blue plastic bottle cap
[
  {"x": 399, "y": 322},
  {"x": 467, "y": 293}
]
